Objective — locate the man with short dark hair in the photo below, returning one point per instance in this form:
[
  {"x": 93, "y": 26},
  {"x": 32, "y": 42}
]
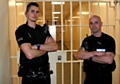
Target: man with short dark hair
[
  {"x": 35, "y": 42},
  {"x": 97, "y": 51}
]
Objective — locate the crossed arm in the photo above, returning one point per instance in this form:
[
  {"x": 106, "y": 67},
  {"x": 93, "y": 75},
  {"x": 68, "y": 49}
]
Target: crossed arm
[
  {"x": 97, "y": 56},
  {"x": 32, "y": 52}
]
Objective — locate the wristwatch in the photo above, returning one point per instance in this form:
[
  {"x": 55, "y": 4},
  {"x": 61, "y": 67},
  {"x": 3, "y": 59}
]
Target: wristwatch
[{"x": 38, "y": 46}]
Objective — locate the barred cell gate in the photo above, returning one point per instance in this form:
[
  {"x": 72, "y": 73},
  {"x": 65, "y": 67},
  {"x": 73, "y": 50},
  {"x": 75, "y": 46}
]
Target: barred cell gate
[{"x": 68, "y": 21}]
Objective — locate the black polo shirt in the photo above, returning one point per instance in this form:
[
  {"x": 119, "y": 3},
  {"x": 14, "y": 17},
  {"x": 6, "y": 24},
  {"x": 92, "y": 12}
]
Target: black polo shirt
[
  {"x": 104, "y": 43},
  {"x": 26, "y": 34}
]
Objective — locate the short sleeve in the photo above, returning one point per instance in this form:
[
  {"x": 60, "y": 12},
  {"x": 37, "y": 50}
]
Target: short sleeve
[
  {"x": 21, "y": 36},
  {"x": 48, "y": 33},
  {"x": 112, "y": 46},
  {"x": 83, "y": 43}
]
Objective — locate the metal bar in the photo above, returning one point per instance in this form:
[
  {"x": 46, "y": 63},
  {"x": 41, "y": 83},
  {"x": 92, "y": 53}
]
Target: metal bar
[
  {"x": 71, "y": 40},
  {"x": 89, "y": 9},
  {"x": 64, "y": 0},
  {"x": 70, "y": 61},
  {"x": 62, "y": 42},
  {"x": 98, "y": 8},
  {"x": 107, "y": 29},
  {"x": 80, "y": 9},
  {"x": 62, "y": 72},
  {"x": 52, "y": 14},
  {"x": 43, "y": 11},
  {"x": 25, "y": 10},
  {"x": 115, "y": 14},
  {"x": 62, "y": 33}
]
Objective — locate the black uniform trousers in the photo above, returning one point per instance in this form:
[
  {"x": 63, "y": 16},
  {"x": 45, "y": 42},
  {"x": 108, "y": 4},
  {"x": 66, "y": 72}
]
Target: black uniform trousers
[
  {"x": 98, "y": 78},
  {"x": 36, "y": 80}
]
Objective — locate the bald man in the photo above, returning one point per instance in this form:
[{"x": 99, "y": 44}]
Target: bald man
[{"x": 98, "y": 52}]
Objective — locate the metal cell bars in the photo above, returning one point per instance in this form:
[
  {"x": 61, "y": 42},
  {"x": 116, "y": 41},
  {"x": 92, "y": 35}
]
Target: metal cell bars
[
  {"x": 106, "y": 25},
  {"x": 71, "y": 48},
  {"x": 107, "y": 5},
  {"x": 71, "y": 28}
]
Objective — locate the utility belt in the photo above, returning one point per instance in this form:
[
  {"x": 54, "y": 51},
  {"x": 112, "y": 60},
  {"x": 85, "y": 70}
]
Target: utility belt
[
  {"x": 39, "y": 72},
  {"x": 90, "y": 66}
]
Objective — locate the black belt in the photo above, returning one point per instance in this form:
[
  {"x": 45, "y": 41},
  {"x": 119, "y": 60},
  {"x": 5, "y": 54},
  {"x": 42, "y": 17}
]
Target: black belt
[{"x": 39, "y": 72}]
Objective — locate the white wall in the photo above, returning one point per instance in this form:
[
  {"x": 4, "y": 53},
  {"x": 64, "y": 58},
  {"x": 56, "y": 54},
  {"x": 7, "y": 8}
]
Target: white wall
[{"x": 5, "y": 68}]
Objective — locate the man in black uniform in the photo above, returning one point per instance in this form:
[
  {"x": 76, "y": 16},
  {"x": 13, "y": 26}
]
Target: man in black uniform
[
  {"x": 35, "y": 42},
  {"x": 97, "y": 51}
]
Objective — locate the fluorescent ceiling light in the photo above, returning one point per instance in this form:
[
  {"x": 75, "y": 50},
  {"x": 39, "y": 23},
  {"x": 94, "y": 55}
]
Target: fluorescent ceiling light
[
  {"x": 84, "y": 13},
  {"x": 70, "y": 20},
  {"x": 55, "y": 17},
  {"x": 21, "y": 13},
  {"x": 56, "y": 12},
  {"x": 19, "y": 4},
  {"x": 76, "y": 17},
  {"x": 57, "y": 2},
  {"x": 12, "y": 3},
  {"x": 99, "y": 4}
]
